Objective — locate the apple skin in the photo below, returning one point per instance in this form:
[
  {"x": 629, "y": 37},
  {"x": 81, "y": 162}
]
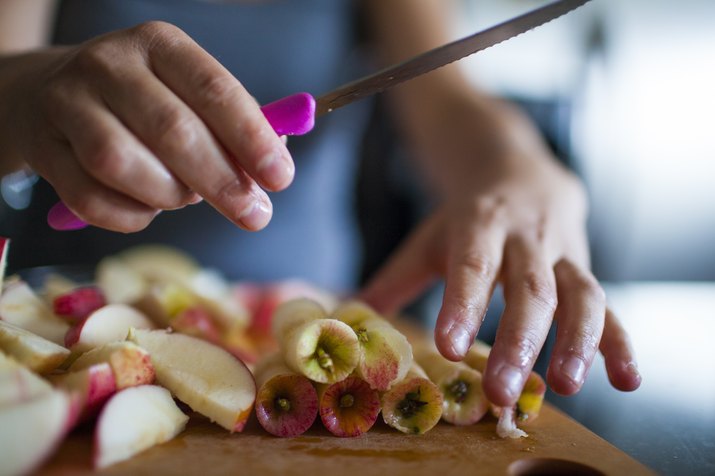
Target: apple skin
[
  {"x": 286, "y": 403},
  {"x": 204, "y": 376},
  {"x": 21, "y": 307},
  {"x": 130, "y": 363},
  {"x": 75, "y": 305},
  {"x": 31, "y": 350},
  {"x": 413, "y": 405},
  {"x": 109, "y": 323},
  {"x": 93, "y": 385},
  {"x": 31, "y": 431},
  {"x": 348, "y": 408},
  {"x": 133, "y": 421}
]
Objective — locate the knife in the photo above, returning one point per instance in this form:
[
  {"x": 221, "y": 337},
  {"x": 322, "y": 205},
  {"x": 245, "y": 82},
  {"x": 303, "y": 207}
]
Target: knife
[{"x": 296, "y": 114}]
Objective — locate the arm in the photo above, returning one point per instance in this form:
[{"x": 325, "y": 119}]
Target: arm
[
  {"x": 132, "y": 123},
  {"x": 509, "y": 214}
]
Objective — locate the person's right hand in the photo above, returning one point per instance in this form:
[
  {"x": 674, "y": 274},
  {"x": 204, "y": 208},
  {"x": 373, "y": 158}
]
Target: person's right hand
[{"x": 143, "y": 120}]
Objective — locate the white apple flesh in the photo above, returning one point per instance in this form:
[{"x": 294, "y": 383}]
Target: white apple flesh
[
  {"x": 92, "y": 386},
  {"x": 31, "y": 350},
  {"x": 107, "y": 324},
  {"x": 20, "y": 306},
  {"x": 30, "y": 431},
  {"x": 206, "y": 377},
  {"x": 131, "y": 364},
  {"x": 134, "y": 420}
]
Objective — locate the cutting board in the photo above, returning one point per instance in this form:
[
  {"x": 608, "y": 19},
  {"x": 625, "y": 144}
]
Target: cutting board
[{"x": 556, "y": 445}]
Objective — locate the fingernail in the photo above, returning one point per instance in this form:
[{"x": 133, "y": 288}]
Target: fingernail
[
  {"x": 574, "y": 369},
  {"x": 61, "y": 218},
  {"x": 276, "y": 169},
  {"x": 461, "y": 340},
  {"x": 511, "y": 380},
  {"x": 257, "y": 215},
  {"x": 632, "y": 368}
]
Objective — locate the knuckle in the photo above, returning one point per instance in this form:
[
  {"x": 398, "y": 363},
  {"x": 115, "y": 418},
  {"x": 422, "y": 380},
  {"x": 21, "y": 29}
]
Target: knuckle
[
  {"x": 540, "y": 290},
  {"x": 97, "y": 56},
  {"x": 480, "y": 266},
  {"x": 489, "y": 209},
  {"x": 107, "y": 158},
  {"x": 156, "y": 29},
  {"x": 175, "y": 129},
  {"x": 217, "y": 90},
  {"x": 524, "y": 345}
]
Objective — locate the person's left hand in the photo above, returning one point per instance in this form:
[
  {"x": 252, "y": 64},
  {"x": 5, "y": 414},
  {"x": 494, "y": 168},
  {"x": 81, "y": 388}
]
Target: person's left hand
[{"x": 519, "y": 221}]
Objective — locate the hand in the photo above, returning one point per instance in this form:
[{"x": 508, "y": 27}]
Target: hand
[
  {"x": 518, "y": 221},
  {"x": 144, "y": 120}
]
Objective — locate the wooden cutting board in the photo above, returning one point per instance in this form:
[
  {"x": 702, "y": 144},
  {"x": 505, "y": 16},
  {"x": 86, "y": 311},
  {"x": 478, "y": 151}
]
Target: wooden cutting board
[{"x": 556, "y": 445}]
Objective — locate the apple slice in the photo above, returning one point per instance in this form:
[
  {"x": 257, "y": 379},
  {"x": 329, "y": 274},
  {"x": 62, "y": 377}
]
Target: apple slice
[
  {"x": 461, "y": 386},
  {"x": 386, "y": 355},
  {"x": 160, "y": 263},
  {"x": 55, "y": 285},
  {"x": 31, "y": 350},
  {"x": 287, "y": 403},
  {"x": 205, "y": 377},
  {"x": 4, "y": 245},
  {"x": 131, "y": 364},
  {"x": 75, "y": 305},
  {"x": 134, "y": 420},
  {"x": 93, "y": 386},
  {"x": 32, "y": 430},
  {"x": 324, "y": 350},
  {"x": 109, "y": 323},
  {"x": 20, "y": 306},
  {"x": 120, "y": 283},
  {"x": 348, "y": 408},
  {"x": 413, "y": 405},
  {"x": 18, "y": 383}
]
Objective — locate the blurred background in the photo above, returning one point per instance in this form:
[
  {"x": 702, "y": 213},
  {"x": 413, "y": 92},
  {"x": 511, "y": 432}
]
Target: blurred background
[{"x": 627, "y": 89}]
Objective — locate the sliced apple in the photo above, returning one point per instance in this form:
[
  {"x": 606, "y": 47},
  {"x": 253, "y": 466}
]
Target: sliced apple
[
  {"x": 324, "y": 350},
  {"x": 121, "y": 283},
  {"x": 31, "y": 350},
  {"x": 134, "y": 420},
  {"x": 92, "y": 385},
  {"x": 348, "y": 408},
  {"x": 160, "y": 263},
  {"x": 20, "y": 306},
  {"x": 55, "y": 285},
  {"x": 205, "y": 377},
  {"x": 461, "y": 386},
  {"x": 109, "y": 323},
  {"x": 18, "y": 383},
  {"x": 385, "y": 354},
  {"x": 287, "y": 403},
  {"x": 75, "y": 305},
  {"x": 32, "y": 430},
  {"x": 413, "y": 405},
  {"x": 131, "y": 364}
]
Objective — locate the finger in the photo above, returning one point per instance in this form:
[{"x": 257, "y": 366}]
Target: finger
[
  {"x": 181, "y": 140},
  {"x": 530, "y": 297},
  {"x": 87, "y": 198},
  {"x": 407, "y": 273},
  {"x": 230, "y": 112},
  {"x": 616, "y": 348},
  {"x": 113, "y": 156},
  {"x": 474, "y": 260},
  {"x": 580, "y": 317}
]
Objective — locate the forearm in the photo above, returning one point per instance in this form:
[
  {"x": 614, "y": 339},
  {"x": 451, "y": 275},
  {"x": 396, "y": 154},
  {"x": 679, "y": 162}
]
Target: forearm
[{"x": 434, "y": 109}]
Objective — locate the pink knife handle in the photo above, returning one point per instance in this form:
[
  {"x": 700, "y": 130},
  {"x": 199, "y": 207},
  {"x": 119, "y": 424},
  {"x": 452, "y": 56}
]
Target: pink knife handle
[{"x": 290, "y": 116}]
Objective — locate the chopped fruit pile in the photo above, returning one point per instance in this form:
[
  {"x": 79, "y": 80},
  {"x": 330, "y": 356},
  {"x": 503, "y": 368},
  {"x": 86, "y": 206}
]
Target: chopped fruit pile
[{"x": 154, "y": 327}]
